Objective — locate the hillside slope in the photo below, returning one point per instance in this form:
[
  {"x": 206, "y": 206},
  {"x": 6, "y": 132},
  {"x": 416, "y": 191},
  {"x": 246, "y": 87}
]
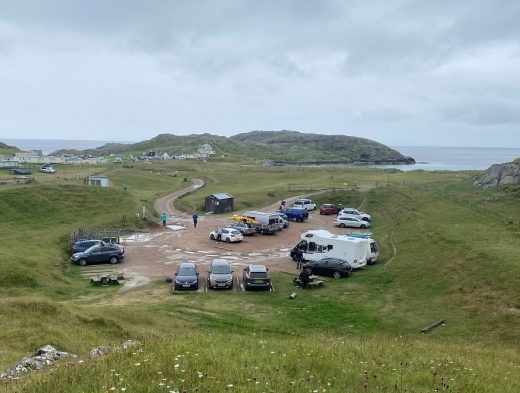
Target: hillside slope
[
  {"x": 278, "y": 147},
  {"x": 294, "y": 146}
]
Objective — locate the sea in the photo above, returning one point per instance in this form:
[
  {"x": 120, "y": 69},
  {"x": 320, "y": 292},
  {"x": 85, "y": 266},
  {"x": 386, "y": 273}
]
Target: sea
[{"x": 428, "y": 158}]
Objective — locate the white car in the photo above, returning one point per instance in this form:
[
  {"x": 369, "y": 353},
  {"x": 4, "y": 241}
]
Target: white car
[
  {"x": 350, "y": 221},
  {"x": 305, "y": 204},
  {"x": 229, "y": 235},
  {"x": 348, "y": 211},
  {"x": 48, "y": 169}
]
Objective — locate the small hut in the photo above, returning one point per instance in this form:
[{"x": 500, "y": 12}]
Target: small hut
[
  {"x": 219, "y": 203},
  {"x": 98, "y": 181}
]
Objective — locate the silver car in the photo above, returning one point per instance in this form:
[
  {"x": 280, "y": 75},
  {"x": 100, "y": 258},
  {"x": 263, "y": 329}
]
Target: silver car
[
  {"x": 244, "y": 228},
  {"x": 220, "y": 274},
  {"x": 351, "y": 222}
]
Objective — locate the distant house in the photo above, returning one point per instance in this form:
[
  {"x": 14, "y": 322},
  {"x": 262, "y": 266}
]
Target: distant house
[
  {"x": 205, "y": 150},
  {"x": 28, "y": 157},
  {"x": 118, "y": 160},
  {"x": 97, "y": 180},
  {"x": 219, "y": 203},
  {"x": 164, "y": 156},
  {"x": 8, "y": 164}
]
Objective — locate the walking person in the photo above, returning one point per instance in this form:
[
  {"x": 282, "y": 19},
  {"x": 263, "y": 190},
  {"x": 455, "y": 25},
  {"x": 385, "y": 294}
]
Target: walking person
[
  {"x": 164, "y": 217},
  {"x": 299, "y": 259},
  {"x": 195, "y": 219}
]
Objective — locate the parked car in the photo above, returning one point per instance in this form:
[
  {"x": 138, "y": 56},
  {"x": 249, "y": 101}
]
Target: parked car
[
  {"x": 229, "y": 235},
  {"x": 186, "y": 276},
  {"x": 351, "y": 222},
  {"x": 220, "y": 274},
  {"x": 328, "y": 208},
  {"x": 256, "y": 277},
  {"x": 305, "y": 203},
  {"x": 348, "y": 211},
  {"x": 298, "y": 214},
  {"x": 48, "y": 169},
  {"x": 285, "y": 219},
  {"x": 82, "y": 245},
  {"x": 21, "y": 171},
  {"x": 333, "y": 267},
  {"x": 112, "y": 253},
  {"x": 244, "y": 228}
]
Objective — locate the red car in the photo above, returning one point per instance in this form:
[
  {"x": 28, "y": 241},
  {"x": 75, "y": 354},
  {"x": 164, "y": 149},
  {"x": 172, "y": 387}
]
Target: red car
[{"x": 328, "y": 208}]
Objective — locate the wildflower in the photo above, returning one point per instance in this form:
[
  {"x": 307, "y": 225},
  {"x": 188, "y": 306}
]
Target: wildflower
[
  {"x": 137, "y": 364},
  {"x": 176, "y": 366},
  {"x": 123, "y": 389},
  {"x": 230, "y": 385}
]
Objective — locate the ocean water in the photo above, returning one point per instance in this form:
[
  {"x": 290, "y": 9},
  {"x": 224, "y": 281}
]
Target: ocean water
[
  {"x": 453, "y": 158},
  {"x": 50, "y": 145}
]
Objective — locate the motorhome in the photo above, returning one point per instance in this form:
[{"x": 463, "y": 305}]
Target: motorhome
[
  {"x": 358, "y": 250},
  {"x": 266, "y": 222}
]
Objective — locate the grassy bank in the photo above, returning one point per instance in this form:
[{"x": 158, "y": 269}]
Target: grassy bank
[
  {"x": 447, "y": 252},
  {"x": 216, "y": 362}
]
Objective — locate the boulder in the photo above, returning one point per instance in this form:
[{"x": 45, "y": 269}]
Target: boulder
[{"x": 499, "y": 175}]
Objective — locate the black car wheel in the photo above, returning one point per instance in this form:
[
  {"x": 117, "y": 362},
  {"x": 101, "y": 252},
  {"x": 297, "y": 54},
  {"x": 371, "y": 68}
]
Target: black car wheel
[
  {"x": 212, "y": 237},
  {"x": 337, "y": 275},
  {"x": 114, "y": 260},
  {"x": 342, "y": 225},
  {"x": 228, "y": 240},
  {"x": 82, "y": 262},
  {"x": 363, "y": 226}
]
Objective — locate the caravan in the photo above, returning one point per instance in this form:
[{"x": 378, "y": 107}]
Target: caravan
[{"x": 357, "y": 250}]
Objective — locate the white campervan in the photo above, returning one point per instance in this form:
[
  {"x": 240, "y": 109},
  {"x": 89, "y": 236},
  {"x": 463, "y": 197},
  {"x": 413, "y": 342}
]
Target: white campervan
[{"x": 356, "y": 250}]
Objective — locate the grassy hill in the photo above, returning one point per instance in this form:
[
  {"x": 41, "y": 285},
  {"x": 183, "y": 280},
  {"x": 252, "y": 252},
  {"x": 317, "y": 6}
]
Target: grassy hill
[
  {"x": 446, "y": 252},
  {"x": 7, "y": 150},
  {"x": 293, "y": 146},
  {"x": 278, "y": 146}
]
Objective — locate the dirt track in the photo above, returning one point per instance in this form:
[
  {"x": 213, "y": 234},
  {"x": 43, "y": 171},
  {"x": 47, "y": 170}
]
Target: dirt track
[{"x": 156, "y": 255}]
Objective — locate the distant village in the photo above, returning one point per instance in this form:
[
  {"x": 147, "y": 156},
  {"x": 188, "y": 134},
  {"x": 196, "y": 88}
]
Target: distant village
[{"x": 37, "y": 157}]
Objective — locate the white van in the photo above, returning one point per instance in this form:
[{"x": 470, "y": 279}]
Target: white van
[
  {"x": 266, "y": 222},
  {"x": 358, "y": 250},
  {"x": 305, "y": 204}
]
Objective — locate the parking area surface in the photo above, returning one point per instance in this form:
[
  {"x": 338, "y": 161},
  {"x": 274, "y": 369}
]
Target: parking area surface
[{"x": 156, "y": 255}]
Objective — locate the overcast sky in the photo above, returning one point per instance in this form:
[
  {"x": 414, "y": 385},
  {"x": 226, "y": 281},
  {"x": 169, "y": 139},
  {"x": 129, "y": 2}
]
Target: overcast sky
[{"x": 439, "y": 73}]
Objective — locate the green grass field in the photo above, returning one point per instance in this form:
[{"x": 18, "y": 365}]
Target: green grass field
[{"x": 455, "y": 259}]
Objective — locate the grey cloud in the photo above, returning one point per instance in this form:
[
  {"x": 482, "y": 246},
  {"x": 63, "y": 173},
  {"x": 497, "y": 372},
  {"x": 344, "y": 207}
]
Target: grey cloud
[{"x": 483, "y": 114}]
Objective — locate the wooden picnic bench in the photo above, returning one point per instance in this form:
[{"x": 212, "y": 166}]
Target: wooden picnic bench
[
  {"x": 314, "y": 283},
  {"x": 107, "y": 279}
]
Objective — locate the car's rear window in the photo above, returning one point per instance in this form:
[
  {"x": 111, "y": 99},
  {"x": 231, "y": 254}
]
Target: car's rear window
[{"x": 258, "y": 275}]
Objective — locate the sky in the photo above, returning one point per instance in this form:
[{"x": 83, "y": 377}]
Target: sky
[{"x": 401, "y": 72}]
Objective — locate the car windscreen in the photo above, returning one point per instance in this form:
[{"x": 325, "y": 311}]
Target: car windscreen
[
  {"x": 220, "y": 269},
  {"x": 187, "y": 271},
  {"x": 258, "y": 275}
]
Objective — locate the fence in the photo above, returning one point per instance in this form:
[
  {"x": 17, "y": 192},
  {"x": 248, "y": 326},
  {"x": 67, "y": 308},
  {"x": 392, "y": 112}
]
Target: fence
[
  {"x": 106, "y": 234},
  {"x": 366, "y": 185}
]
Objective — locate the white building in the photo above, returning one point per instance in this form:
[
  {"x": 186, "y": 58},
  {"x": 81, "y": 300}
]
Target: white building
[
  {"x": 205, "y": 150},
  {"x": 96, "y": 180}
]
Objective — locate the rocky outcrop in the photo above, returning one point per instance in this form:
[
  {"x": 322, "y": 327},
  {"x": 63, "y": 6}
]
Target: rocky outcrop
[
  {"x": 45, "y": 356},
  {"x": 500, "y": 174}
]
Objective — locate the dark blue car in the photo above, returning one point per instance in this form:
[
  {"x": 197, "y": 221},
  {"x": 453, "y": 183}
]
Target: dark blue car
[
  {"x": 187, "y": 276},
  {"x": 83, "y": 245}
]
